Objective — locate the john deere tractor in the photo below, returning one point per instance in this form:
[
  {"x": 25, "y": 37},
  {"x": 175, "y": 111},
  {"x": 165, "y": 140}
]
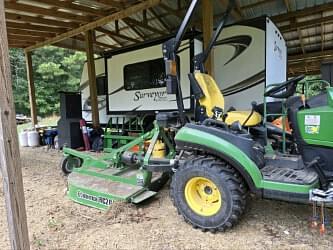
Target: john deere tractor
[{"x": 218, "y": 160}]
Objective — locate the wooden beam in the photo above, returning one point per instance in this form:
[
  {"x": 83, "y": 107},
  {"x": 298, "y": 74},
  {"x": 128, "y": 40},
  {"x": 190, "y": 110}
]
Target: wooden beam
[
  {"x": 145, "y": 26},
  {"x": 25, "y": 38},
  {"x": 287, "y": 4},
  {"x": 72, "y": 6},
  {"x": 17, "y": 46},
  {"x": 95, "y": 42},
  {"x": 301, "y": 40},
  {"x": 322, "y": 34},
  {"x": 304, "y": 12},
  {"x": 45, "y": 12},
  {"x": 92, "y": 78},
  {"x": 161, "y": 21},
  {"x": 31, "y": 85},
  {"x": 100, "y": 22},
  {"x": 318, "y": 55},
  {"x": 112, "y": 3},
  {"x": 11, "y": 41},
  {"x": 30, "y": 33},
  {"x": 109, "y": 46},
  {"x": 77, "y": 45},
  {"x": 144, "y": 17},
  {"x": 309, "y": 72},
  {"x": 149, "y": 20},
  {"x": 319, "y": 44},
  {"x": 19, "y": 43},
  {"x": 81, "y": 38},
  {"x": 179, "y": 4},
  {"x": 40, "y": 20},
  {"x": 256, "y": 4},
  {"x": 112, "y": 34},
  {"x": 305, "y": 24},
  {"x": 27, "y": 26},
  {"x": 138, "y": 32},
  {"x": 174, "y": 12},
  {"x": 208, "y": 26},
  {"x": 10, "y": 161},
  {"x": 116, "y": 40},
  {"x": 116, "y": 26},
  {"x": 290, "y": 39},
  {"x": 235, "y": 13}
]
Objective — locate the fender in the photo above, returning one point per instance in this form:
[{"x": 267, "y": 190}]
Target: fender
[{"x": 191, "y": 138}]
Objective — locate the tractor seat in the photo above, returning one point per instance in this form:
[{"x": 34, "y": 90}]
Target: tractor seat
[{"x": 209, "y": 95}]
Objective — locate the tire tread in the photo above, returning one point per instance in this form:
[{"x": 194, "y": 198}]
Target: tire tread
[{"x": 234, "y": 182}]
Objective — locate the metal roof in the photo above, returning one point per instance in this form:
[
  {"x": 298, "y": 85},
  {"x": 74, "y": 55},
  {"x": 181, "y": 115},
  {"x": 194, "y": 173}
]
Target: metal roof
[{"x": 307, "y": 25}]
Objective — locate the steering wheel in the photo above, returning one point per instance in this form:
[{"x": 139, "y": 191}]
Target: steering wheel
[{"x": 285, "y": 89}]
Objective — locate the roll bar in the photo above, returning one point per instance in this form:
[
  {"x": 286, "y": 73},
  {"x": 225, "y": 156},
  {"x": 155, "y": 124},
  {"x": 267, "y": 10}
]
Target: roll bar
[{"x": 170, "y": 49}]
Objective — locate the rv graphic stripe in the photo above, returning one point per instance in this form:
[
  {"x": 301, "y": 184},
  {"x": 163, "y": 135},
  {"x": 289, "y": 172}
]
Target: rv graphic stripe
[
  {"x": 240, "y": 43},
  {"x": 246, "y": 84}
]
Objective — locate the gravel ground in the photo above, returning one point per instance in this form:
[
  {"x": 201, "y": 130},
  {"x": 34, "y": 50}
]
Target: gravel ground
[{"x": 57, "y": 223}]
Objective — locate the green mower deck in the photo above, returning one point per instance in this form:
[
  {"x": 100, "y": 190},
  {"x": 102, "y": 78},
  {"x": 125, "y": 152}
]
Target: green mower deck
[
  {"x": 99, "y": 188},
  {"x": 117, "y": 174}
]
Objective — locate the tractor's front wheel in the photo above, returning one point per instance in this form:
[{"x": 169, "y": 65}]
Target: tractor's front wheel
[{"x": 208, "y": 193}]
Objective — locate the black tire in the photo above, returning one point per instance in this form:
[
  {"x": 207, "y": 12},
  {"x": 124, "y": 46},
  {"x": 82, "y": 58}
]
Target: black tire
[
  {"x": 228, "y": 182},
  {"x": 68, "y": 163}
]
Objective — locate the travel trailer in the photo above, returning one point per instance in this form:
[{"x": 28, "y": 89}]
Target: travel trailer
[{"x": 130, "y": 81}]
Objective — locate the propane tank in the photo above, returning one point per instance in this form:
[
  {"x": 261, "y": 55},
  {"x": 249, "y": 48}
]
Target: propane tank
[
  {"x": 159, "y": 149},
  {"x": 33, "y": 138},
  {"x": 23, "y": 138}
]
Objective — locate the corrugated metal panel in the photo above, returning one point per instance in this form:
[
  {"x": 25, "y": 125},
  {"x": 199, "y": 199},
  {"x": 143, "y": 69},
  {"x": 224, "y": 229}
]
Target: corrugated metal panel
[{"x": 305, "y": 38}]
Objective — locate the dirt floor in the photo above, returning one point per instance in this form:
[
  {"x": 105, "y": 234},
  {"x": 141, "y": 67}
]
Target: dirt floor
[{"x": 57, "y": 223}]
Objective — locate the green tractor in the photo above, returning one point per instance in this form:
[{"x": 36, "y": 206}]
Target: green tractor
[{"x": 218, "y": 160}]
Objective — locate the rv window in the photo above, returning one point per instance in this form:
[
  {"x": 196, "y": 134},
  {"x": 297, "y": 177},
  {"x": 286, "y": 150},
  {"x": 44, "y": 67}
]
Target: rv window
[
  {"x": 101, "y": 85},
  {"x": 144, "y": 75}
]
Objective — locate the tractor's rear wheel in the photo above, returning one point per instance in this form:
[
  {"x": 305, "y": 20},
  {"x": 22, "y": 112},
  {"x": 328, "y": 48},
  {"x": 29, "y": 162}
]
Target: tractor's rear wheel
[{"x": 208, "y": 193}]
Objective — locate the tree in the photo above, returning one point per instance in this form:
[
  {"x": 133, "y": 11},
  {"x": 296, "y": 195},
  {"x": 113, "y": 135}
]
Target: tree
[{"x": 54, "y": 69}]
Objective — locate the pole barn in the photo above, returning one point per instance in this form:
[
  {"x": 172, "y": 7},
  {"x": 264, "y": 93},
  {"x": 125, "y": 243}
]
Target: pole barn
[{"x": 10, "y": 161}]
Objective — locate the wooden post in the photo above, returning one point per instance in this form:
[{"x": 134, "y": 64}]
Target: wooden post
[
  {"x": 10, "y": 162},
  {"x": 89, "y": 35},
  {"x": 207, "y": 29},
  {"x": 32, "y": 94}
]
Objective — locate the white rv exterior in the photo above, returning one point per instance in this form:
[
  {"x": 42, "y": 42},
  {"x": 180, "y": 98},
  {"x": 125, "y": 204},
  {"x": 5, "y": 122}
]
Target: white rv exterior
[
  {"x": 247, "y": 56},
  {"x": 85, "y": 93},
  {"x": 135, "y": 82},
  {"x": 126, "y": 71}
]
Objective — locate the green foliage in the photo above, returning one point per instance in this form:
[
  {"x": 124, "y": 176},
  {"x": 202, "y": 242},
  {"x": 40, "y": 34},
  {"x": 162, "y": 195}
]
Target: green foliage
[
  {"x": 312, "y": 85},
  {"x": 54, "y": 69}
]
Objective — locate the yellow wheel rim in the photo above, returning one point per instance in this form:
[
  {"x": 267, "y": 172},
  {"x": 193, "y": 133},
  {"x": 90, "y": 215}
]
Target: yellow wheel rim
[{"x": 203, "y": 196}]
